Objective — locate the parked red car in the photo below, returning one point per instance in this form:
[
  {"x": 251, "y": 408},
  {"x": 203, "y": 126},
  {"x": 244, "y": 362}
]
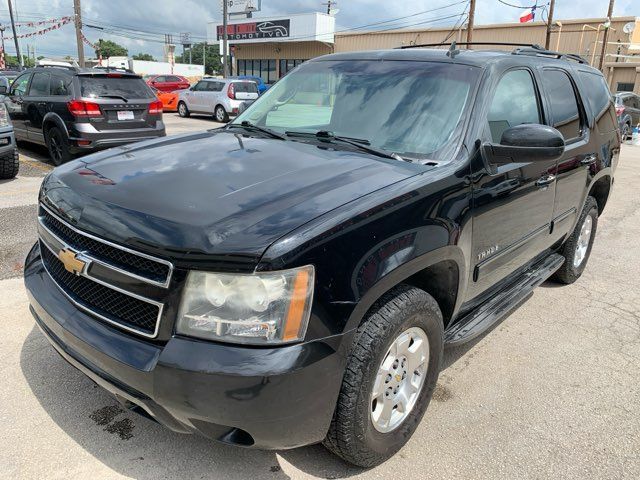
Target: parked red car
[{"x": 167, "y": 83}]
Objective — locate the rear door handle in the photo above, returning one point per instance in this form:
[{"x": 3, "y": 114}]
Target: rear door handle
[
  {"x": 545, "y": 180},
  {"x": 588, "y": 160}
]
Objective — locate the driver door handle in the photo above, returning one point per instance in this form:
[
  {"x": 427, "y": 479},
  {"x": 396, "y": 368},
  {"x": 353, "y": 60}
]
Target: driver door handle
[{"x": 546, "y": 180}]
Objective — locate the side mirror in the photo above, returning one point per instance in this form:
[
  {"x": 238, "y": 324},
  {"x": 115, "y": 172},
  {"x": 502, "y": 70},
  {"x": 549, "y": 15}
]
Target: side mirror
[{"x": 528, "y": 142}]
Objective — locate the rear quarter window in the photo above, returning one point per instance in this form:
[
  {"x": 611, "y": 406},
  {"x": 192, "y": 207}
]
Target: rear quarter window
[
  {"x": 596, "y": 91},
  {"x": 127, "y": 87}
]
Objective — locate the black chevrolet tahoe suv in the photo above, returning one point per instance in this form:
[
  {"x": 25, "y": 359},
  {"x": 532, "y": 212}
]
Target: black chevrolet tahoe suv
[
  {"x": 293, "y": 277},
  {"x": 73, "y": 111}
]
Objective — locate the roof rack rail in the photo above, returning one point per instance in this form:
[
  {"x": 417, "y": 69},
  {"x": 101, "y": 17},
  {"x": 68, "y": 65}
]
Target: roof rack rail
[
  {"x": 549, "y": 53},
  {"x": 446, "y": 44},
  {"x": 65, "y": 67}
]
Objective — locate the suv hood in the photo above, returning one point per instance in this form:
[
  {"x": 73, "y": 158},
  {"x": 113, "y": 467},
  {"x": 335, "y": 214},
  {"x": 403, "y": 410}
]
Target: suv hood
[{"x": 213, "y": 193}]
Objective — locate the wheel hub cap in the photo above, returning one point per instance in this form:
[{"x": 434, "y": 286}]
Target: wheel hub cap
[
  {"x": 399, "y": 380},
  {"x": 583, "y": 241}
]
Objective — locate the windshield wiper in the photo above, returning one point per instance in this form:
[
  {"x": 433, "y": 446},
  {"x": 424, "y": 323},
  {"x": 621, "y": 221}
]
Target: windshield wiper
[
  {"x": 251, "y": 126},
  {"x": 360, "y": 143},
  {"x": 114, "y": 96}
]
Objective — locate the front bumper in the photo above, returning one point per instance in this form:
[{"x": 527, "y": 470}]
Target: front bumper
[{"x": 269, "y": 398}]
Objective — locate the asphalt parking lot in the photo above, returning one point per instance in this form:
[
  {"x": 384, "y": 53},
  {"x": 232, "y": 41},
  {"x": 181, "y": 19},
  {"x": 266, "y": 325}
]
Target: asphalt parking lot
[{"x": 551, "y": 392}]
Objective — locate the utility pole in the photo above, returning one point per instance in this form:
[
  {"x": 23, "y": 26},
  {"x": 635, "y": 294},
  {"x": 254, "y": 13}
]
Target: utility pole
[
  {"x": 78, "y": 17},
  {"x": 552, "y": 4},
  {"x": 15, "y": 36},
  {"x": 3, "y": 59},
  {"x": 605, "y": 36},
  {"x": 472, "y": 14},
  {"x": 225, "y": 40},
  {"x": 204, "y": 57}
]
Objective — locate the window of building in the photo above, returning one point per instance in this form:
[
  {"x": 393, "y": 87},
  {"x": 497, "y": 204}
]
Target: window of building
[
  {"x": 514, "y": 102},
  {"x": 39, "y": 85},
  {"x": 288, "y": 65},
  {"x": 563, "y": 103},
  {"x": 624, "y": 87},
  {"x": 265, "y": 69}
]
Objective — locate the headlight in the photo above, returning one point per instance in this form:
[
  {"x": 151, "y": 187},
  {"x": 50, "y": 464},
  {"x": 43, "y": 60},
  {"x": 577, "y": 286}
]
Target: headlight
[
  {"x": 4, "y": 116},
  {"x": 259, "y": 308}
]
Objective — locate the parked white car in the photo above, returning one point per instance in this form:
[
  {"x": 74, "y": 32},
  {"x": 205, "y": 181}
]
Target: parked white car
[{"x": 220, "y": 97}]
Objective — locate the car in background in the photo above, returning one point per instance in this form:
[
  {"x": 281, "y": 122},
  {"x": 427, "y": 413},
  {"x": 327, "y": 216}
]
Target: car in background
[
  {"x": 628, "y": 112},
  {"x": 167, "y": 83},
  {"x": 10, "y": 75},
  {"x": 9, "y": 163},
  {"x": 72, "y": 110},
  {"x": 219, "y": 97},
  {"x": 262, "y": 87},
  {"x": 169, "y": 100}
]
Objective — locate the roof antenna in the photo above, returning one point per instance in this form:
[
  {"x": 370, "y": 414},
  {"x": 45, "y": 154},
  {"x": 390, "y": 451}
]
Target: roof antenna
[{"x": 453, "y": 51}]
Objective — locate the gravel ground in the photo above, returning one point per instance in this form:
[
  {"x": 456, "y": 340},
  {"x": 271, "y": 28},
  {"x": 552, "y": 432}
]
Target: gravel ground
[{"x": 551, "y": 392}]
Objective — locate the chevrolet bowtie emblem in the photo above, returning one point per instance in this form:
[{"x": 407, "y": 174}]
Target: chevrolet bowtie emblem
[{"x": 71, "y": 262}]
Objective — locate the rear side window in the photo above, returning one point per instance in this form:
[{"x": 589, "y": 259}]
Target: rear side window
[
  {"x": 246, "y": 87},
  {"x": 214, "y": 86},
  {"x": 172, "y": 79},
  {"x": 127, "y": 87},
  {"x": 59, "y": 86},
  {"x": 39, "y": 85},
  {"x": 563, "y": 103},
  {"x": 515, "y": 102},
  {"x": 597, "y": 91}
]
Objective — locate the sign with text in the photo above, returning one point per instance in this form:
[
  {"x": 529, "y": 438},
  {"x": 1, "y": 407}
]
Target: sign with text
[{"x": 254, "y": 30}]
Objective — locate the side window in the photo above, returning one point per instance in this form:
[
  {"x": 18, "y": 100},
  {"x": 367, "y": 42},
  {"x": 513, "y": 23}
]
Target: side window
[
  {"x": 563, "y": 103},
  {"x": 214, "y": 86},
  {"x": 160, "y": 79},
  {"x": 514, "y": 102},
  {"x": 596, "y": 90},
  {"x": 39, "y": 85},
  {"x": 59, "y": 86},
  {"x": 19, "y": 85},
  {"x": 172, "y": 79},
  {"x": 200, "y": 86}
]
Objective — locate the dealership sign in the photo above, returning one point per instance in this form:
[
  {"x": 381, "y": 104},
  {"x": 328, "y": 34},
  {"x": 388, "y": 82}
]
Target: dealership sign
[{"x": 256, "y": 30}]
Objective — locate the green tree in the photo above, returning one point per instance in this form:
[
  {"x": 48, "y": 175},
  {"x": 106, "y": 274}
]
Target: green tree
[
  {"x": 11, "y": 61},
  {"x": 107, "y": 49},
  {"x": 144, "y": 56},
  {"x": 213, "y": 64}
]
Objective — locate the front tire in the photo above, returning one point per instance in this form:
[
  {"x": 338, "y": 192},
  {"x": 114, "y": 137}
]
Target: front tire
[
  {"x": 58, "y": 146},
  {"x": 577, "y": 249},
  {"x": 626, "y": 132},
  {"x": 183, "y": 111},
  {"x": 220, "y": 114},
  {"x": 389, "y": 378},
  {"x": 9, "y": 165}
]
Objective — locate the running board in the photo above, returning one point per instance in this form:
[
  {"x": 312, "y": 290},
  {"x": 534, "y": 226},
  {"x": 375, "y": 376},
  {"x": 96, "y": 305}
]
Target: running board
[{"x": 482, "y": 318}]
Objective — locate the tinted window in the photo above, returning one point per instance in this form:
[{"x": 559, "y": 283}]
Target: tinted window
[
  {"x": 514, "y": 102},
  {"x": 59, "y": 86},
  {"x": 172, "y": 79},
  {"x": 39, "y": 85},
  {"x": 395, "y": 105},
  {"x": 246, "y": 87},
  {"x": 19, "y": 86},
  {"x": 127, "y": 87},
  {"x": 596, "y": 90},
  {"x": 563, "y": 103}
]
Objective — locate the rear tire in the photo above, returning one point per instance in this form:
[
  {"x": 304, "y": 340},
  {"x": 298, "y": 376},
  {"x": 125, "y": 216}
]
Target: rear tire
[
  {"x": 58, "y": 146},
  {"x": 9, "y": 165},
  {"x": 220, "y": 114},
  {"x": 361, "y": 432},
  {"x": 626, "y": 131},
  {"x": 183, "y": 110},
  {"x": 577, "y": 248}
]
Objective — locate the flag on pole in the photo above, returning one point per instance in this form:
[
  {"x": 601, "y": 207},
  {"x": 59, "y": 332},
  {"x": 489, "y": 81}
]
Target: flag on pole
[{"x": 528, "y": 15}]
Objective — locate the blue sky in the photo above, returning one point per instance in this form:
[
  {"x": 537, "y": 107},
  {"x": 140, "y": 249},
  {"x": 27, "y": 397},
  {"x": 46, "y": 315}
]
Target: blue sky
[{"x": 175, "y": 16}]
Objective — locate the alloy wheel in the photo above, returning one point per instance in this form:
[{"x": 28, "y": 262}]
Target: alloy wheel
[
  {"x": 399, "y": 380},
  {"x": 583, "y": 241}
]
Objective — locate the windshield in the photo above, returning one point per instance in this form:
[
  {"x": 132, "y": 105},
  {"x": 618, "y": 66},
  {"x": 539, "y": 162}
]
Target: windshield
[
  {"x": 405, "y": 107},
  {"x": 127, "y": 87}
]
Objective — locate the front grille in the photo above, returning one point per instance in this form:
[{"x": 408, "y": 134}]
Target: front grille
[
  {"x": 131, "y": 262},
  {"x": 100, "y": 300}
]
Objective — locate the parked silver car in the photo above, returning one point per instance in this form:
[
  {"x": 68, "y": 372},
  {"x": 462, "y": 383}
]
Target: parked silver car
[{"x": 220, "y": 97}]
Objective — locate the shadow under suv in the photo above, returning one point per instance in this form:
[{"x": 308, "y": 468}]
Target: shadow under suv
[{"x": 71, "y": 110}]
